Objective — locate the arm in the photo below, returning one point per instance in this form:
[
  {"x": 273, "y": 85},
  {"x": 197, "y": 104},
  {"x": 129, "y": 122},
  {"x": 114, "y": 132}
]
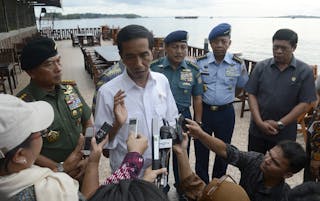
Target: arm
[
  {"x": 91, "y": 177},
  {"x": 133, "y": 161},
  {"x": 295, "y": 113},
  {"x": 266, "y": 126},
  {"x": 197, "y": 108},
  {"x": 214, "y": 144}
]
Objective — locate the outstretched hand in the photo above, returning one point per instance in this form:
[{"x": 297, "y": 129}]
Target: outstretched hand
[
  {"x": 194, "y": 128},
  {"x": 150, "y": 175},
  {"x": 180, "y": 147},
  {"x": 139, "y": 144},
  {"x": 119, "y": 108}
]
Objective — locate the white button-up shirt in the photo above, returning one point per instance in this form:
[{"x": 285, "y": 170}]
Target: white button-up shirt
[{"x": 154, "y": 100}]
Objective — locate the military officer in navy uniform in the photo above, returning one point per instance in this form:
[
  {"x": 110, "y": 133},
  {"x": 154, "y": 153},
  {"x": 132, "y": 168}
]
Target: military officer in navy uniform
[
  {"x": 61, "y": 150},
  {"x": 184, "y": 78},
  {"x": 223, "y": 75}
]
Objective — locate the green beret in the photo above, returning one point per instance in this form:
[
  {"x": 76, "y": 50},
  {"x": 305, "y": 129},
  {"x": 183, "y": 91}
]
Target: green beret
[{"x": 37, "y": 51}]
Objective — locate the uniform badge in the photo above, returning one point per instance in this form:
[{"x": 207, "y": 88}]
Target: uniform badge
[
  {"x": 205, "y": 88},
  {"x": 293, "y": 79},
  {"x": 53, "y": 136},
  {"x": 186, "y": 76},
  {"x": 74, "y": 113}
]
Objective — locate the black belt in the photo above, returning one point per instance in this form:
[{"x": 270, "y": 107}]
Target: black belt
[{"x": 215, "y": 108}]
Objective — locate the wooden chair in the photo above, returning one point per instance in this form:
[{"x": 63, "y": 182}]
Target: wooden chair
[
  {"x": 306, "y": 116},
  {"x": 243, "y": 97},
  {"x": 2, "y": 84}
]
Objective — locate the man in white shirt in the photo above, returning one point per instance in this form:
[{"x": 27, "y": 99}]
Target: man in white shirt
[{"x": 136, "y": 93}]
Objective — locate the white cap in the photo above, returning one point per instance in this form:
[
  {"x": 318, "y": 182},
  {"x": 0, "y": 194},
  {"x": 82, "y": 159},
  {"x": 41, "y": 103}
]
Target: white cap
[{"x": 19, "y": 119}]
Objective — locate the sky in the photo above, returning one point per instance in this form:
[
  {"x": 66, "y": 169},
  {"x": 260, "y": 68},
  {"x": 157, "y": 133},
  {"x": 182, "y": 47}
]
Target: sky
[{"x": 216, "y": 8}]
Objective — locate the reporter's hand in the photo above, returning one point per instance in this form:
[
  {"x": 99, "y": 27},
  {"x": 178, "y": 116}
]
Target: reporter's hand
[
  {"x": 179, "y": 148},
  {"x": 96, "y": 149},
  {"x": 139, "y": 144},
  {"x": 75, "y": 157},
  {"x": 194, "y": 128},
  {"x": 151, "y": 175},
  {"x": 81, "y": 167}
]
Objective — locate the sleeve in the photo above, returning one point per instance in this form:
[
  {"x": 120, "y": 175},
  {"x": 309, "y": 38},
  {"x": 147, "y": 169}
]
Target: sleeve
[
  {"x": 192, "y": 187},
  {"x": 252, "y": 85},
  {"x": 197, "y": 89},
  {"x": 129, "y": 169},
  {"x": 172, "y": 110},
  {"x": 308, "y": 92},
  {"x": 243, "y": 78},
  {"x": 238, "y": 158}
]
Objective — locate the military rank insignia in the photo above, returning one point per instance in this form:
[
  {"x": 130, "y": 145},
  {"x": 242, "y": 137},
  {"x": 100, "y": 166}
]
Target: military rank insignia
[{"x": 53, "y": 136}]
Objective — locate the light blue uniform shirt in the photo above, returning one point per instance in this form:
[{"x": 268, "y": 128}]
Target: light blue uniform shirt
[{"x": 221, "y": 80}]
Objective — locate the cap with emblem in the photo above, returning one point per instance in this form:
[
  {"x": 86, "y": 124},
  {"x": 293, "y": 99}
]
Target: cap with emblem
[
  {"x": 19, "y": 119},
  {"x": 37, "y": 51},
  {"x": 176, "y": 36},
  {"x": 223, "y": 29}
]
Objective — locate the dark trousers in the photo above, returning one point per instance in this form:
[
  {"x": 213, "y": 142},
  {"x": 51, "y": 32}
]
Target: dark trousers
[
  {"x": 259, "y": 144},
  {"x": 221, "y": 123},
  {"x": 185, "y": 111}
]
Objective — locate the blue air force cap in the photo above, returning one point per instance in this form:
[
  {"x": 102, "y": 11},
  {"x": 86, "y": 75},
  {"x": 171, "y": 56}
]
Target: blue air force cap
[
  {"x": 37, "y": 51},
  {"x": 223, "y": 29},
  {"x": 176, "y": 36}
]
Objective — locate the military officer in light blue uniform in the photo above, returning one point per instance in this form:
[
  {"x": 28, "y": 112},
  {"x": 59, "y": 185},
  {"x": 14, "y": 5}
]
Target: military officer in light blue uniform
[
  {"x": 184, "y": 78},
  {"x": 223, "y": 75}
]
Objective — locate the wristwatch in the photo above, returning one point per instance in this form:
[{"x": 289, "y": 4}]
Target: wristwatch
[
  {"x": 280, "y": 125},
  {"x": 60, "y": 167}
]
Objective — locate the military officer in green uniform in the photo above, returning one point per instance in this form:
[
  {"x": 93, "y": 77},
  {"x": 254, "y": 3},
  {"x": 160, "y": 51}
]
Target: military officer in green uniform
[
  {"x": 184, "y": 78},
  {"x": 72, "y": 115}
]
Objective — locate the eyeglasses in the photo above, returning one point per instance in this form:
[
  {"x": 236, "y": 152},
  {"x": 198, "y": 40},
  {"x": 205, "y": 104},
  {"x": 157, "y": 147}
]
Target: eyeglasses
[{"x": 280, "y": 47}]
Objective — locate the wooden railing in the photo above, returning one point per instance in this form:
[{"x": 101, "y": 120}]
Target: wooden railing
[{"x": 65, "y": 34}]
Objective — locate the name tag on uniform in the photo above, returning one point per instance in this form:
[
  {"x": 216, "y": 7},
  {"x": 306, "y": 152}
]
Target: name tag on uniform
[{"x": 232, "y": 72}]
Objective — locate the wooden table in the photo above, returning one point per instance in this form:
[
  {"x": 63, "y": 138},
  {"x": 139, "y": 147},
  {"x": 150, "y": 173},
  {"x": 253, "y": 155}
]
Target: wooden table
[
  {"x": 109, "y": 53},
  {"x": 7, "y": 69},
  {"x": 85, "y": 38}
]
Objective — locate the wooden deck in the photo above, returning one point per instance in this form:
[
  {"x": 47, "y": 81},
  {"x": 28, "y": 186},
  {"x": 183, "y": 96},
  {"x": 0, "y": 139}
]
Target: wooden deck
[{"x": 73, "y": 68}]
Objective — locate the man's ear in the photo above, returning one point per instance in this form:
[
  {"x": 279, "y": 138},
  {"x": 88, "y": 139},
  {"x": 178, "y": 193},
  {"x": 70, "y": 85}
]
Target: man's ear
[
  {"x": 20, "y": 157},
  {"x": 288, "y": 175}
]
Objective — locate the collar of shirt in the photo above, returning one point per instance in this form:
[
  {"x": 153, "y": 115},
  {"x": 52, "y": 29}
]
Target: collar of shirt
[
  {"x": 128, "y": 83},
  {"x": 39, "y": 93},
  {"x": 227, "y": 58},
  {"x": 166, "y": 63},
  {"x": 293, "y": 62}
]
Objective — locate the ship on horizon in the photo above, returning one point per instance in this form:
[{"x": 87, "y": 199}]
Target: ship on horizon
[{"x": 186, "y": 17}]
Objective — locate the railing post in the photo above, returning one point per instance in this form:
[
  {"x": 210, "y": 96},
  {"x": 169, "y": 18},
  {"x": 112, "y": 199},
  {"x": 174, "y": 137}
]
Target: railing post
[{"x": 206, "y": 44}]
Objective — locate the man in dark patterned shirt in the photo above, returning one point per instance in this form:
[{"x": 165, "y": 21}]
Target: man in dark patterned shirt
[{"x": 262, "y": 176}]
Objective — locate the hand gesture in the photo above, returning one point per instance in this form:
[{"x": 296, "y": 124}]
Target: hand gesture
[
  {"x": 139, "y": 144},
  {"x": 194, "y": 129},
  {"x": 150, "y": 175},
  {"x": 119, "y": 108},
  {"x": 179, "y": 148},
  {"x": 75, "y": 157},
  {"x": 270, "y": 127},
  {"x": 96, "y": 149}
]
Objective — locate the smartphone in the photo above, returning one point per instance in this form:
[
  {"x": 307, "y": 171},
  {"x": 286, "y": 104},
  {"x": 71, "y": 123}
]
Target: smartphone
[
  {"x": 87, "y": 143},
  {"x": 133, "y": 126},
  {"x": 103, "y": 132}
]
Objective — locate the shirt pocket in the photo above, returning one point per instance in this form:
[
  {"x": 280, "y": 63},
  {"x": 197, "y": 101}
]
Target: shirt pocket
[
  {"x": 160, "y": 105},
  {"x": 206, "y": 78}
]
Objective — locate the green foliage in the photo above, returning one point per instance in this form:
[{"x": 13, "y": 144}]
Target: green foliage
[{"x": 88, "y": 16}]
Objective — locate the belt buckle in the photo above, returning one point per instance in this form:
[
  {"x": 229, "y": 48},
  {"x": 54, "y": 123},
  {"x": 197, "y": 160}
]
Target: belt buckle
[{"x": 214, "y": 108}]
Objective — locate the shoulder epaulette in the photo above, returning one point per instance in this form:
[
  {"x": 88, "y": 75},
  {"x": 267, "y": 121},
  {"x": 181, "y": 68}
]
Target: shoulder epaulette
[
  {"x": 26, "y": 97},
  {"x": 237, "y": 59},
  {"x": 190, "y": 63},
  {"x": 155, "y": 61},
  {"x": 69, "y": 82},
  {"x": 202, "y": 57}
]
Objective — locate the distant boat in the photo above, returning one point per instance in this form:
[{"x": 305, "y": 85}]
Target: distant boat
[{"x": 186, "y": 17}]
